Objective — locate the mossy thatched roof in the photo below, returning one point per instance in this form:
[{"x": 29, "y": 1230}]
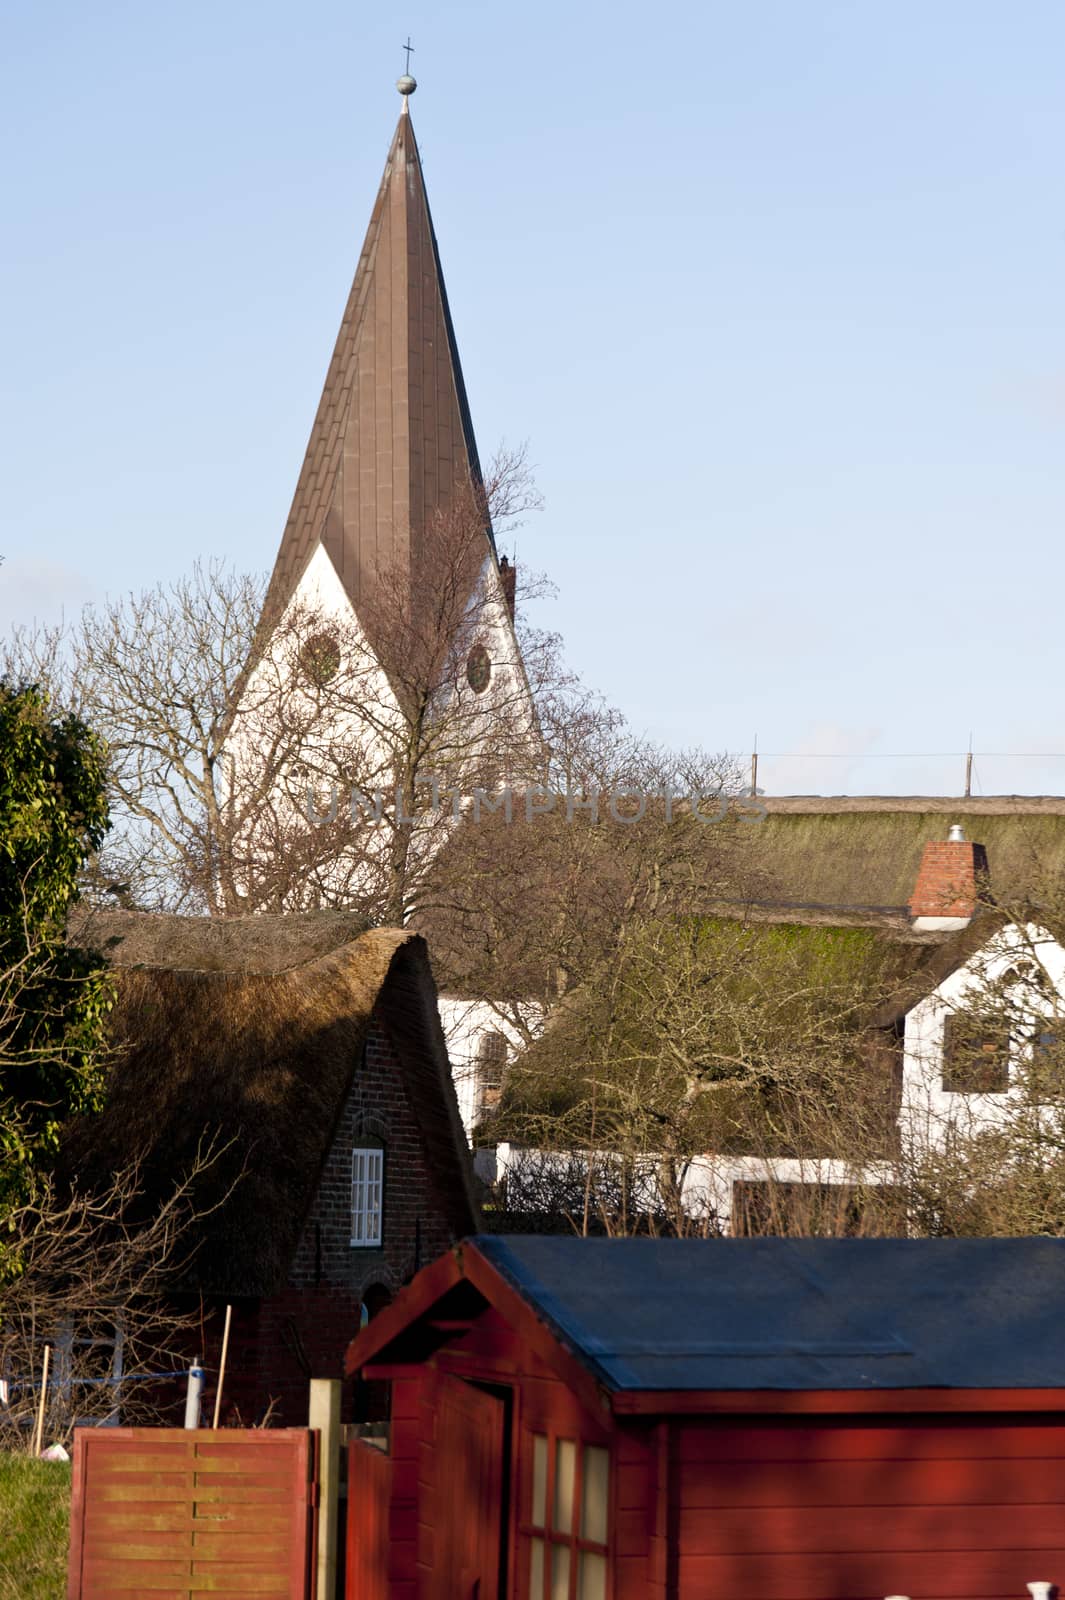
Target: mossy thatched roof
[
  {"x": 863, "y": 853},
  {"x": 250, "y": 1033}
]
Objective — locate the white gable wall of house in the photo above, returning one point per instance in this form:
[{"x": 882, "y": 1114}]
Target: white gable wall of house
[
  {"x": 471, "y": 1028},
  {"x": 928, "y": 1109}
]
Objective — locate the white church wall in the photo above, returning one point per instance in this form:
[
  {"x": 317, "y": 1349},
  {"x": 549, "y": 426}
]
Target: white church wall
[
  {"x": 276, "y": 677},
  {"x": 507, "y": 697},
  {"x": 497, "y": 725},
  {"x": 361, "y": 741}
]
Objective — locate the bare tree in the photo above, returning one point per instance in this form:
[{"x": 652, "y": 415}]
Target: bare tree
[
  {"x": 240, "y": 745},
  {"x": 708, "y": 1048},
  {"x": 357, "y": 743},
  {"x": 99, "y": 1271},
  {"x": 527, "y": 908},
  {"x": 155, "y": 674}
]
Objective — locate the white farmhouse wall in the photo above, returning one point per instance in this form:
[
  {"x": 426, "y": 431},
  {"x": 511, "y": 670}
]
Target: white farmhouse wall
[
  {"x": 465, "y": 1024},
  {"x": 927, "y": 1109},
  {"x": 707, "y": 1184}
]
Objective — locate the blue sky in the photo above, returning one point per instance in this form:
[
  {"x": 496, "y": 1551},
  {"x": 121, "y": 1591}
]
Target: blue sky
[{"x": 773, "y": 291}]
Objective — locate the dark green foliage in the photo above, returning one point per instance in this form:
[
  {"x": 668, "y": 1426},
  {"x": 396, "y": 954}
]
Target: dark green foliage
[{"x": 54, "y": 998}]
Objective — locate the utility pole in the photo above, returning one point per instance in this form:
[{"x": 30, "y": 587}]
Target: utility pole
[{"x": 969, "y": 769}]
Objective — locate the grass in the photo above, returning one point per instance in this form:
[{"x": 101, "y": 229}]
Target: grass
[{"x": 34, "y": 1519}]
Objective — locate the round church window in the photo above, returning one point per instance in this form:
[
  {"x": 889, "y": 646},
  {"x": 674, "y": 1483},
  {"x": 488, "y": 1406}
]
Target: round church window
[
  {"x": 320, "y": 658},
  {"x": 478, "y": 669}
]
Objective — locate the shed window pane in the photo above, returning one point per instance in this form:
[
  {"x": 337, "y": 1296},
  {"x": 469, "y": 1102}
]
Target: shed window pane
[
  {"x": 591, "y": 1582},
  {"x": 565, "y": 1483},
  {"x": 367, "y": 1195},
  {"x": 539, "y": 1481},
  {"x": 560, "y": 1572},
  {"x": 536, "y": 1569},
  {"x": 596, "y": 1494}
]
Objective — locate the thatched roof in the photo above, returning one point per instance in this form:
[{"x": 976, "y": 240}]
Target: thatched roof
[
  {"x": 251, "y": 1032},
  {"x": 204, "y": 944},
  {"x": 862, "y": 853}
]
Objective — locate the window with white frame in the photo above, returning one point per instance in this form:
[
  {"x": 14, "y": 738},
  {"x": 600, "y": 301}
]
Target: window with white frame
[{"x": 367, "y": 1194}]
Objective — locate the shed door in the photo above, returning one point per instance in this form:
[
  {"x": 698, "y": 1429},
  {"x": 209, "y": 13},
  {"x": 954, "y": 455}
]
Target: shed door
[{"x": 470, "y": 1492}]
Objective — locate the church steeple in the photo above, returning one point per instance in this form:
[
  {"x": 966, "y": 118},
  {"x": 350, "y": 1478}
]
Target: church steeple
[{"x": 392, "y": 442}]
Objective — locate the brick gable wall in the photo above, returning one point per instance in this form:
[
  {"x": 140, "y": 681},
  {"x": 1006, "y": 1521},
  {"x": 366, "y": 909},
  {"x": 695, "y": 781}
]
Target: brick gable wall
[
  {"x": 302, "y": 1332},
  {"x": 414, "y": 1230}
]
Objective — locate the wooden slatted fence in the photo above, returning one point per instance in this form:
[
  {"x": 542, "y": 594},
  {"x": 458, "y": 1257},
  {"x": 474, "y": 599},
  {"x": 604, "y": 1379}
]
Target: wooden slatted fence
[{"x": 170, "y": 1514}]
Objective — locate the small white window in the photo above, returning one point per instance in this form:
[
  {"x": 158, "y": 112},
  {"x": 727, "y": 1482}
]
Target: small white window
[{"x": 367, "y": 1195}]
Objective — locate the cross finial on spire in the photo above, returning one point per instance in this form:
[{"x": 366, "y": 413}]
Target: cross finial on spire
[{"x": 407, "y": 85}]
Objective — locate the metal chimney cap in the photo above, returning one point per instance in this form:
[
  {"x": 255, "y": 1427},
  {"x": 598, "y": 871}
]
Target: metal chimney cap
[{"x": 956, "y": 834}]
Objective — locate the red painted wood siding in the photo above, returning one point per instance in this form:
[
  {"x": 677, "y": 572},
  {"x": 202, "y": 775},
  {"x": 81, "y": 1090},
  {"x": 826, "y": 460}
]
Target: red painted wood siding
[
  {"x": 469, "y": 1510},
  {"x": 856, "y": 1509},
  {"x": 403, "y": 1511},
  {"x": 170, "y": 1515},
  {"x": 369, "y": 1496},
  {"x": 639, "y": 1511}
]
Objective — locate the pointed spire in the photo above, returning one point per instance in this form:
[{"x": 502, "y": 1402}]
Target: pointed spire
[{"x": 392, "y": 442}]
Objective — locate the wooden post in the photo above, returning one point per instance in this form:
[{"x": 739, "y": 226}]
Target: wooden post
[
  {"x": 325, "y": 1416},
  {"x": 222, "y": 1367},
  {"x": 38, "y": 1438}
]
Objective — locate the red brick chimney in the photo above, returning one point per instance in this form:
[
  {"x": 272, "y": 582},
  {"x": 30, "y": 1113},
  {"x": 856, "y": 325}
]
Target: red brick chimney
[
  {"x": 508, "y": 576},
  {"x": 950, "y": 880}
]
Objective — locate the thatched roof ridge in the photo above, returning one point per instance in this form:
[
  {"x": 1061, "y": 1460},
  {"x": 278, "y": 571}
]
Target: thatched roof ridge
[
  {"x": 262, "y": 1060},
  {"x": 987, "y": 805},
  {"x": 863, "y": 854},
  {"x": 260, "y": 944}
]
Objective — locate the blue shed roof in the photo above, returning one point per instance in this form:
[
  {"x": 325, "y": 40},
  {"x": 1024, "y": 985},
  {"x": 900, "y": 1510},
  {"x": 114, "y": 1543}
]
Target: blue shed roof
[{"x": 791, "y": 1314}]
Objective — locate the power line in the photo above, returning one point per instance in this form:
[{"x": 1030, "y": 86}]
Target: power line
[{"x": 910, "y": 755}]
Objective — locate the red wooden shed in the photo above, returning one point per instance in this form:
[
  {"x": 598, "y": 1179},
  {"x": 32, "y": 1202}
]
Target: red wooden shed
[{"x": 620, "y": 1419}]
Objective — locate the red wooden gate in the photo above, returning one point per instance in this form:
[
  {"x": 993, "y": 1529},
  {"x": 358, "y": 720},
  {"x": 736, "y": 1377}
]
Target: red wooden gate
[
  {"x": 369, "y": 1499},
  {"x": 170, "y": 1514},
  {"x": 469, "y": 1476}
]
